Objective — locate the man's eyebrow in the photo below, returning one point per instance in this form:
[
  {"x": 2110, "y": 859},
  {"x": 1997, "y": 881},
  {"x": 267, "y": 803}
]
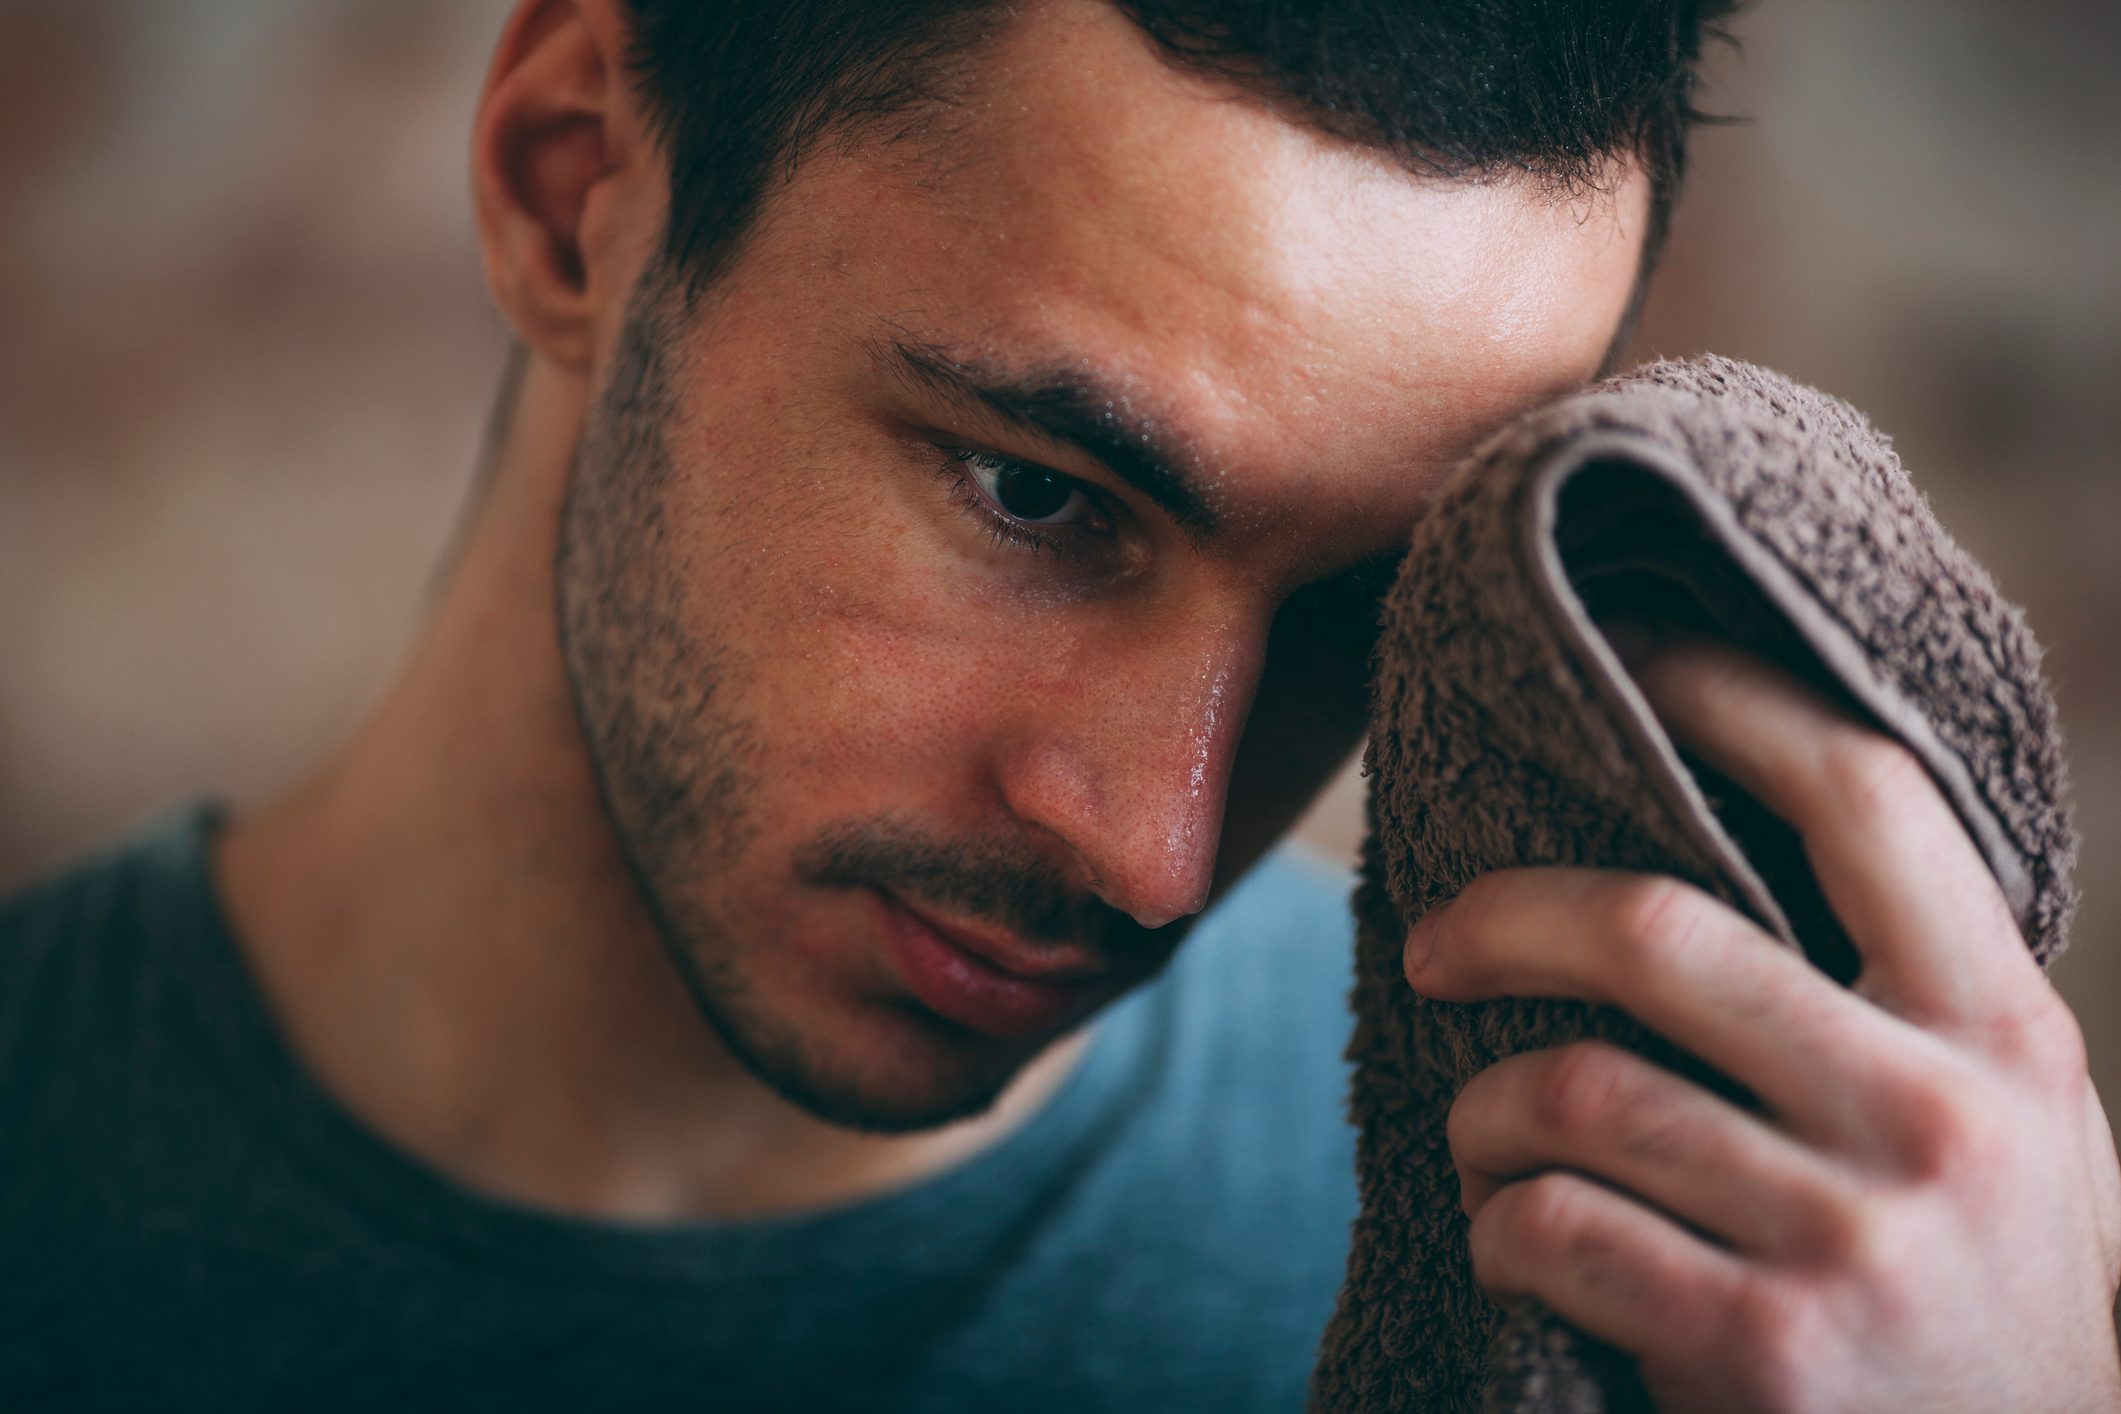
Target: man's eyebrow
[{"x": 1068, "y": 406}]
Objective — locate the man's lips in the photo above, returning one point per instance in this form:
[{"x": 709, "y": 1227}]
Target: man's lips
[
  {"x": 989, "y": 983},
  {"x": 1069, "y": 964}
]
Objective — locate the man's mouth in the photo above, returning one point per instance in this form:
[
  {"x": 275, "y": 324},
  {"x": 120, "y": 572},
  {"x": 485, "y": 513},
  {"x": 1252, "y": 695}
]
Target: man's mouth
[{"x": 988, "y": 982}]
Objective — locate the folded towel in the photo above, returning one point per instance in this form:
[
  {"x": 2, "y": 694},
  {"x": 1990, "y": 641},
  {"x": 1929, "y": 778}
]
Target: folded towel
[{"x": 1710, "y": 497}]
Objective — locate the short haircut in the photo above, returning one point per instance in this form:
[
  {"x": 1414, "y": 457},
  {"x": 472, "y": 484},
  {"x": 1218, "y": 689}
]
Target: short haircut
[{"x": 1467, "y": 89}]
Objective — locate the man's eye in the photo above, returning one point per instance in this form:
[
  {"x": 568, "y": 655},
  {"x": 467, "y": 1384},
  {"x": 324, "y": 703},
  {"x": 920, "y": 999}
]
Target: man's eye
[{"x": 1027, "y": 493}]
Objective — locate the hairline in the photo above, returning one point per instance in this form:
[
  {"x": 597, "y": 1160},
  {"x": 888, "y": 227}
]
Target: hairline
[{"x": 916, "y": 118}]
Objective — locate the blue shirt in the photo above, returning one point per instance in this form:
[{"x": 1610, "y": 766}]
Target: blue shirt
[{"x": 188, "y": 1221}]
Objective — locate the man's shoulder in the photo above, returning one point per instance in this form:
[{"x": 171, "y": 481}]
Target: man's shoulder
[
  {"x": 74, "y": 939},
  {"x": 96, "y": 892},
  {"x": 47, "y": 919}
]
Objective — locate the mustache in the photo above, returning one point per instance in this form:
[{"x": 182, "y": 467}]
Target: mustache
[{"x": 1011, "y": 888}]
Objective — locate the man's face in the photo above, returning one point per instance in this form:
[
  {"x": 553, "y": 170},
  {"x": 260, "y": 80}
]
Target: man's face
[{"x": 994, "y": 553}]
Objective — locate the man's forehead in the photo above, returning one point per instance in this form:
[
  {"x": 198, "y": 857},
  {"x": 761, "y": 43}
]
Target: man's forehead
[
  {"x": 1309, "y": 331},
  {"x": 1231, "y": 259}
]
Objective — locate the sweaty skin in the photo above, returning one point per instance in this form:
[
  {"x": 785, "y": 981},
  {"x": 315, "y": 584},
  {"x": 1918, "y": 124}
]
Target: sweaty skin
[
  {"x": 800, "y": 636},
  {"x": 595, "y": 912}
]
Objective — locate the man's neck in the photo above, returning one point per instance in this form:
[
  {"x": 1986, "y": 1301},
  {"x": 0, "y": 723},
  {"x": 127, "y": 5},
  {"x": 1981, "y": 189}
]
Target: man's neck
[{"x": 444, "y": 925}]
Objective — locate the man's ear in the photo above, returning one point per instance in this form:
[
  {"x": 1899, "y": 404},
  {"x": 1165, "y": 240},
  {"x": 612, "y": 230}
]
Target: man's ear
[{"x": 557, "y": 169}]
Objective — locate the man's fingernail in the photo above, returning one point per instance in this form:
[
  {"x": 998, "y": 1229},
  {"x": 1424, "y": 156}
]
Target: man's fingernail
[{"x": 1421, "y": 942}]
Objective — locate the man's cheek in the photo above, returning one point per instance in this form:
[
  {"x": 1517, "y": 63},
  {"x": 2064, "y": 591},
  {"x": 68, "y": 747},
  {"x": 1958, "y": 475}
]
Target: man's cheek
[{"x": 897, "y": 680}]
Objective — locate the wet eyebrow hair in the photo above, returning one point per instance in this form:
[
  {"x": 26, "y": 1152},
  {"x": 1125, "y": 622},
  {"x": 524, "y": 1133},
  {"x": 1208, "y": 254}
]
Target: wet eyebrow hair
[{"x": 1071, "y": 406}]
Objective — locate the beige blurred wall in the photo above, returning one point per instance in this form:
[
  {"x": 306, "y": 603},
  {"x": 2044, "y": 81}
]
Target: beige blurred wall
[
  {"x": 245, "y": 355},
  {"x": 244, "y": 352}
]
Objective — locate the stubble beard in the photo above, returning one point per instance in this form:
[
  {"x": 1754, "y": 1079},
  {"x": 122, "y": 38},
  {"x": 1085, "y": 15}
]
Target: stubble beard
[{"x": 678, "y": 769}]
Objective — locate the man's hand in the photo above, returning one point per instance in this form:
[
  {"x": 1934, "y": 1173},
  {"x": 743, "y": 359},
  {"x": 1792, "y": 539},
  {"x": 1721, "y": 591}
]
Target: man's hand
[{"x": 1925, "y": 1213}]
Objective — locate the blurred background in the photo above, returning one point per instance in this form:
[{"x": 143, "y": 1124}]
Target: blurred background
[{"x": 245, "y": 356}]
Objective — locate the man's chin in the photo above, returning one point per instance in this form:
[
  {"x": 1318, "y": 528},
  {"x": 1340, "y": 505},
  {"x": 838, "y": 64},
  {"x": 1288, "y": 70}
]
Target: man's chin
[
  {"x": 879, "y": 1112},
  {"x": 908, "y": 1072},
  {"x": 899, "y": 1103}
]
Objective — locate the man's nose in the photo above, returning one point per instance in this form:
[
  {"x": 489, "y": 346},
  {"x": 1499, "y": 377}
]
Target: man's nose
[{"x": 1131, "y": 772}]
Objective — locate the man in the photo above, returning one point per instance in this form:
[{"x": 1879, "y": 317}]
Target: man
[{"x": 925, "y": 561}]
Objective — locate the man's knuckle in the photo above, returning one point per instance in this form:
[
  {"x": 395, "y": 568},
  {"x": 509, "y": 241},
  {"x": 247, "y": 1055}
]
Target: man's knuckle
[
  {"x": 1945, "y": 1132},
  {"x": 1581, "y": 1088},
  {"x": 1658, "y": 918},
  {"x": 1847, "y": 1231},
  {"x": 1876, "y": 779},
  {"x": 2040, "y": 1036},
  {"x": 1549, "y": 1213},
  {"x": 1767, "y": 1335}
]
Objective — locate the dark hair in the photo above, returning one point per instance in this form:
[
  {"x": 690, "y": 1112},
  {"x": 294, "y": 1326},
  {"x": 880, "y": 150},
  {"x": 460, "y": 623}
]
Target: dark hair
[{"x": 738, "y": 92}]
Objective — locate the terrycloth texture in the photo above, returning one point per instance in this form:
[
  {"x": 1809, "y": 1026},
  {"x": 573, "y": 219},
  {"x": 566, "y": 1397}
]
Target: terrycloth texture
[{"x": 1708, "y": 496}]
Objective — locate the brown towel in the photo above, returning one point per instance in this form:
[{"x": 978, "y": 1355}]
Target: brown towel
[{"x": 1708, "y": 496}]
